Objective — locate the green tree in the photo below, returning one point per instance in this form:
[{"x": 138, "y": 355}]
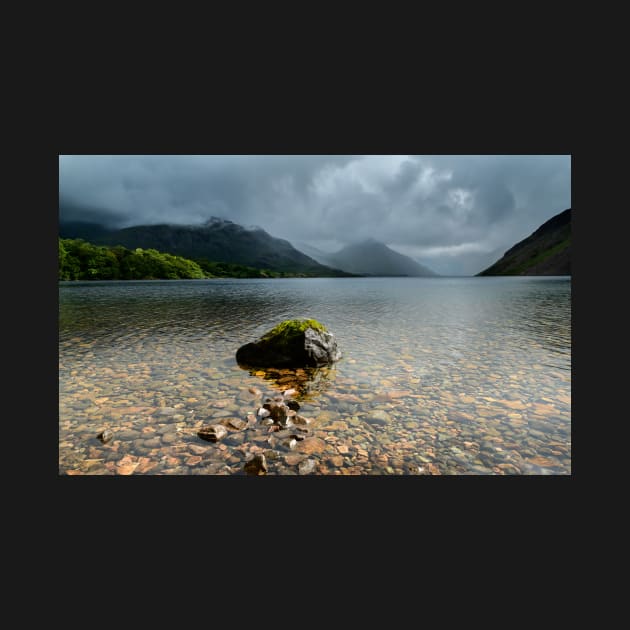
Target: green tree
[{"x": 79, "y": 260}]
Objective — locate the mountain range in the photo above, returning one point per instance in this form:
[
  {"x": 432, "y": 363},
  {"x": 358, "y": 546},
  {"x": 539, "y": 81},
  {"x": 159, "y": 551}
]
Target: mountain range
[
  {"x": 222, "y": 240},
  {"x": 545, "y": 252}
]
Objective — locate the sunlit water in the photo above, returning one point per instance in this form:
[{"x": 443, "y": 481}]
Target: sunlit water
[{"x": 438, "y": 376}]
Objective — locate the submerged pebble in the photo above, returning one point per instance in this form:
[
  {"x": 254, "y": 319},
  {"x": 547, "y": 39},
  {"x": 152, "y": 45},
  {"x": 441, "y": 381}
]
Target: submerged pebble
[{"x": 105, "y": 436}]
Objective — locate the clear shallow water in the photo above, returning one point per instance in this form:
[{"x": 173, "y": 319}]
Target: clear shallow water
[{"x": 438, "y": 375}]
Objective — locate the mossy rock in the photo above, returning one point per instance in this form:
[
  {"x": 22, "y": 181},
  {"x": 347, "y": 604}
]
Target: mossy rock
[{"x": 292, "y": 343}]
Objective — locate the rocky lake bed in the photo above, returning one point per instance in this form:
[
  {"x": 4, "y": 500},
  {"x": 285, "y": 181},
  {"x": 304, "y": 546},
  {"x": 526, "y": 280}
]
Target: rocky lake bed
[{"x": 342, "y": 430}]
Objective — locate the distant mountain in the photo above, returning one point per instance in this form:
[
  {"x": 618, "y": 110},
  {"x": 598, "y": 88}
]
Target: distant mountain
[
  {"x": 313, "y": 252},
  {"x": 371, "y": 258},
  {"x": 217, "y": 240},
  {"x": 545, "y": 252}
]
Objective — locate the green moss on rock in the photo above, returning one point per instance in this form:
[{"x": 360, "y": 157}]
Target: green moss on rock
[{"x": 288, "y": 330}]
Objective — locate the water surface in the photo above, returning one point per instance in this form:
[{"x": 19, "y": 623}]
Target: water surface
[{"x": 438, "y": 375}]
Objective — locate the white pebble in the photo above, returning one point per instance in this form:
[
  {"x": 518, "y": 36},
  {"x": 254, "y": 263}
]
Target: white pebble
[
  {"x": 289, "y": 392},
  {"x": 263, "y": 413}
]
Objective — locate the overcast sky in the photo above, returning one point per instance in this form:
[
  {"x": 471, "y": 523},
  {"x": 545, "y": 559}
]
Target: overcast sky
[{"x": 456, "y": 214}]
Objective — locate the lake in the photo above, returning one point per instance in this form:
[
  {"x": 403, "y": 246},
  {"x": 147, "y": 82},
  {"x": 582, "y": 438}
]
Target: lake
[{"x": 443, "y": 376}]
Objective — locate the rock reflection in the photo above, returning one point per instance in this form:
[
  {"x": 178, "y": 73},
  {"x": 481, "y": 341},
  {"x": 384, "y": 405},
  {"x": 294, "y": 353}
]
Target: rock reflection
[{"x": 309, "y": 382}]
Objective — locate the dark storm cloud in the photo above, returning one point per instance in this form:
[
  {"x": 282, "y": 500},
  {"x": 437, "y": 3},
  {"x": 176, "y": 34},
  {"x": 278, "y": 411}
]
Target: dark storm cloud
[{"x": 455, "y": 214}]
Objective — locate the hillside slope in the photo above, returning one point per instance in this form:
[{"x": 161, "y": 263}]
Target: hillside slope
[{"x": 545, "y": 252}]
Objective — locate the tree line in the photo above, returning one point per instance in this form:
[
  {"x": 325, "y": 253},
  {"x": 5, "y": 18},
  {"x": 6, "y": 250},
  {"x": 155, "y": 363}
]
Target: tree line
[{"x": 80, "y": 260}]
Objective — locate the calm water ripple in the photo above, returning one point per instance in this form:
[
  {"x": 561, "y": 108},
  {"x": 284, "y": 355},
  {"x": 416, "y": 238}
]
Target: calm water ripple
[{"x": 438, "y": 375}]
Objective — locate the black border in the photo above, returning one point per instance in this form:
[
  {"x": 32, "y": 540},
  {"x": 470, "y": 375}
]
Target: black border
[{"x": 391, "y": 123}]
